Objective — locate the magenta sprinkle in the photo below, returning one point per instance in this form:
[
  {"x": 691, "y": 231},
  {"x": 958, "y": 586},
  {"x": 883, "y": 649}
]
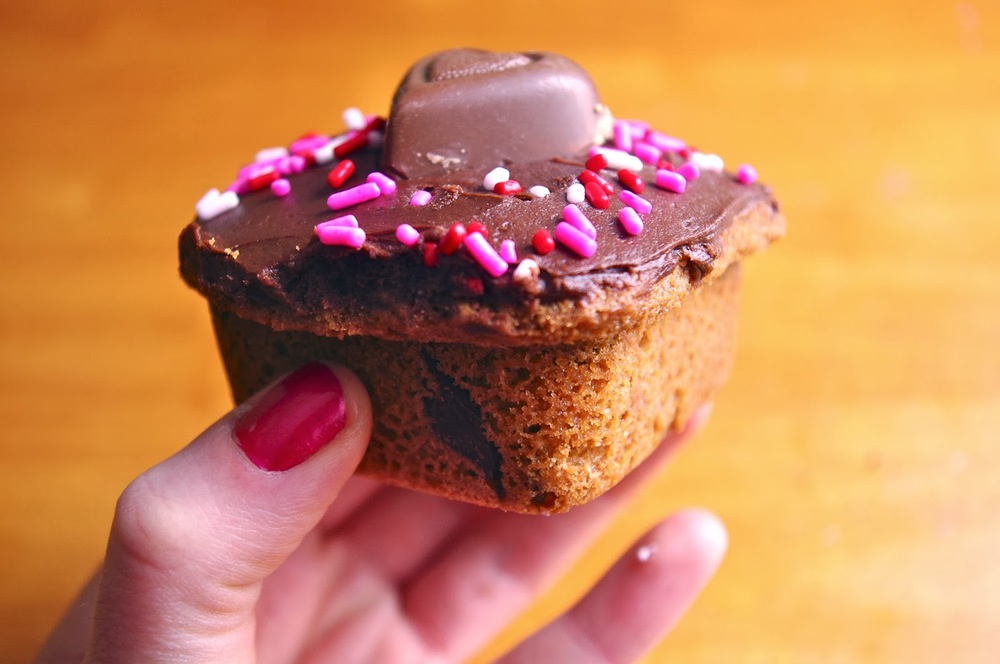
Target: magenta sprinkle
[
  {"x": 671, "y": 181},
  {"x": 635, "y": 202},
  {"x": 638, "y": 128},
  {"x": 572, "y": 214},
  {"x": 407, "y": 234},
  {"x": 281, "y": 187},
  {"x": 386, "y": 185},
  {"x": 485, "y": 254},
  {"x": 508, "y": 251},
  {"x": 308, "y": 144},
  {"x": 630, "y": 220},
  {"x": 420, "y": 197},
  {"x": 664, "y": 142},
  {"x": 746, "y": 174},
  {"x": 340, "y": 236},
  {"x": 647, "y": 152},
  {"x": 689, "y": 170},
  {"x": 623, "y": 136},
  {"x": 353, "y": 196},
  {"x": 575, "y": 240}
]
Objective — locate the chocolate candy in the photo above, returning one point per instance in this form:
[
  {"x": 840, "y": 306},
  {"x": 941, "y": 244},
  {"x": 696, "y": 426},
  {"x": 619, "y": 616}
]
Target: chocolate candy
[{"x": 475, "y": 109}]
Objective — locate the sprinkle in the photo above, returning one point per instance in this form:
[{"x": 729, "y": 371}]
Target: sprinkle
[
  {"x": 292, "y": 164},
  {"x": 348, "y": 220},
  {"x": 338, "y": 174},
  {"x": 664, "y": 142},
  {"x": 572, "y": 214},
  {"x": 576, "y": 193},
  {"x": 635, "y": 202},
  {"x": 746, "y": 174},
  {"x": 430, "y": 254},
  {"x": 596, "y": 196},
  {"x": 262, "y": 178},
  {"x": 212, "y": 204},
  {"x": 476, "y": 227},
  {"x": 671, "y": 181},
  {"x": 407, "y": 234},
  {"x": 508, "y": 252},
  {"x": 420, "y": 197},
  {"x": 588, "y": 176},
  {"x": 271, "y": 154},
  {"x": 538, "y": 191},
  {"x": 526, "y": 271},
  {"x": 452, "y": 239},
  {"x": 689, "y": 170},
  {"x": 497, "y": 175},
  {"x": 355, "y": 141},
  {"x": 485, "y": 254},
  {"x": 707, "y": 162},
  {"x": 507, "y": 188},
  {"x": 474, "y": 285},
  {"x": 647, "y": 152},
  {"x": 630, "y": 220},
  {"x": 596, "y": 163},
  {"x": 638, "y": 127},
  {"x": 542, "y": 242},
  {"x": 353, "y": 196},
  {"x": 281, "y": 187},
  {"x": 623, "y": 136},
  {"x": 618, "y": 159},
  {"x": 386, "y": 185},
  {"x": 631, "y": 180},
  {"x": 340, "y": 235},
  {"x": 664, "y": 165},
  {"x": 354, "y": 119},
  {"x": 575, "y": 240},
  {"x": 324, "y": 153},
  {"x": 306, "y": 145}
]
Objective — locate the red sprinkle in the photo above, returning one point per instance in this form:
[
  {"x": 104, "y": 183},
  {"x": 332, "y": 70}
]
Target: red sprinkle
[
  {"x": 452, "y": 239},
  {"x": 664, "y": 165},
  {"x": 430, "y": 254},
  {"x": 507, "y": 188},
  {"x": 475, "y": 285},
  {"x": 263, "y": 179},
  {"x": 590, "y": 176},
  {"x": 476, "y": 227},
  {"x": 631, "y": 181},
  {"x": 597, "y": 162},
  {"x": 543, "y": 242},
  {"x": 685, "y": 153},
  {"x": 596, "y": 196},
  {"x": 354, "y": 142},
  {"x": 338, "y": 174}
]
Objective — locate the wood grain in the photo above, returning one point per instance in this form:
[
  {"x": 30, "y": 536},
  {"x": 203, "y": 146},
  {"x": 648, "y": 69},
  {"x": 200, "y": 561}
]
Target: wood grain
[{"x": 854, "y": 453}]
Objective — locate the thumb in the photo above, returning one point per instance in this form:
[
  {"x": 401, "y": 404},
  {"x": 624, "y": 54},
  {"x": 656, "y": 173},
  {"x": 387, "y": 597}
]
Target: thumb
[{"x": 194, "y": 537}]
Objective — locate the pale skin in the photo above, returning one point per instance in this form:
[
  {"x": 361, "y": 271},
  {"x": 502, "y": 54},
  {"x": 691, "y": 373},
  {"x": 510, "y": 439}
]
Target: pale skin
[{"x": 211, "y": 559}]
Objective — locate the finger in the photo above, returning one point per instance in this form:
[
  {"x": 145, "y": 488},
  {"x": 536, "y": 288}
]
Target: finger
[
  {"x": 502, "y": 564},
  {"x": 193, "y": 537},
  {"x": 638, "y": 601},
  {"x": 355, "y": 494}
]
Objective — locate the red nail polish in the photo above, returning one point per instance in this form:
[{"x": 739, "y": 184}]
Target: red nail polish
[{"x": 294, "y": 419}]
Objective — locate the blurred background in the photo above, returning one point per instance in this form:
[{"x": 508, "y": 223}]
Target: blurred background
[{"x": 853, "y": 454}]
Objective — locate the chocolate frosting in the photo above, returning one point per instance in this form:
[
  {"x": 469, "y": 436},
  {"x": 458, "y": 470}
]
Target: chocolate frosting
[{"x": 262, "y": 259}]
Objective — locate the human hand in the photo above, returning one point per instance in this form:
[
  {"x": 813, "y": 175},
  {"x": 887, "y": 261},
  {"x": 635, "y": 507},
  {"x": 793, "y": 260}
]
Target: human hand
[{"x": 212, "y": 558}]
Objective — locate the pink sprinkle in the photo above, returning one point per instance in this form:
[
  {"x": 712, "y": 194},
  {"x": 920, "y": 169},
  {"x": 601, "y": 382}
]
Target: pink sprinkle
[
  {"x": 407, "y": 234},
  {"x": 291, "y": 165},
  {"x": 746, "y": 174},
  {"x": 623, "y": 136},
  {"x": 353, "y": 196},
  {"x": 630, "y": 221},
  {"x": 340, "y": 236},
  {"x": 348, "y": 220},
  {"x": 689, "y": 170},
  {"x": 671, "y": 181},
  {"x": 578, "y": 219},
  {"x": 647, "y": 152},
  {"x": 386, "y": 185},
  {"x": 485, "y": 254},
  {"x": 281, "y": 187},
  {"x": 664, "y": 142},
  {"x": 238, "y": 186},
  {"x": 508, "y": 252},
  {"x": 308, "y": 144},
  {"x": 635, "y": 202},
  {"x": 420, "y": 197},
  {"x": 575, "y": 240},
  {"x": 638, "y": 128}
]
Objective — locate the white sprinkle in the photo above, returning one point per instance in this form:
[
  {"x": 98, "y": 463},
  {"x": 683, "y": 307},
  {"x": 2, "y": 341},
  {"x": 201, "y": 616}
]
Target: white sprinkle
[
  {"x": 495, "y": 177},
  {"x": 644, "y": 553},
  {"x": 324, "y": 153},
  {"x": 707, "y": 162},
  {"x": 538, "y": 191},
  {"x": 619, "y": 159},
  {"x": 576, "y": 193},
  {"x": 212, "y": 204},
  {"x": 270, "y": 154},
  {"x": 526, "y": 271},
  {"x": 354, "y": 119}
]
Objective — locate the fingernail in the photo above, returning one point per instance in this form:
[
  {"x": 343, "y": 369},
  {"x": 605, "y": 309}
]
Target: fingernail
[{"x": 294, "y": 419}]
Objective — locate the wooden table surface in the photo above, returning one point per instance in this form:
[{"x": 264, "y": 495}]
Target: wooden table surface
[{"x": 853, "y": 454}]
